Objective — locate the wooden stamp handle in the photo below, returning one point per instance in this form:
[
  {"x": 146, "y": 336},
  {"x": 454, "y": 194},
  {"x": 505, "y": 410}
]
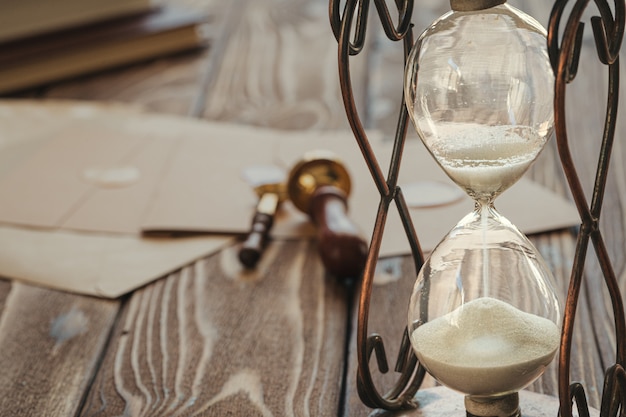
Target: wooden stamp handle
[
  {"x": 341, "y": 246},
  {"x": 252, "y": 248}
]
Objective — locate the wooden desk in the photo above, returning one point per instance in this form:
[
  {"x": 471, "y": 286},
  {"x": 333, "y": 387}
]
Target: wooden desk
[{"x": 202, "y": 341}]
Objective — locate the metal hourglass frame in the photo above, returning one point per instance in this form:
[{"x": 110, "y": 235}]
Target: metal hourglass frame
[{"x": 564, "y": 46}]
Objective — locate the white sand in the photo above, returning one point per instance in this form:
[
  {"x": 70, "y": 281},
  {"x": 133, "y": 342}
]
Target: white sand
[
  {"x": 485, "y": 160},
  {"x": 486, "y": 347}
]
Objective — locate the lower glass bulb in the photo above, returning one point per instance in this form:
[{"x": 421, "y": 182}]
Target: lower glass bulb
[{"x": 484, "y": 316}]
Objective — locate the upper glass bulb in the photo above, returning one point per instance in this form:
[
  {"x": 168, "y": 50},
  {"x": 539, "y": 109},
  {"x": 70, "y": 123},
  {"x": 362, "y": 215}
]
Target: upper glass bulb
[{"x": 478, "y": 87}]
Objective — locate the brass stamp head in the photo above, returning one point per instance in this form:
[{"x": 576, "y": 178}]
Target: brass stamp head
[{"x": 315, "y": 169}]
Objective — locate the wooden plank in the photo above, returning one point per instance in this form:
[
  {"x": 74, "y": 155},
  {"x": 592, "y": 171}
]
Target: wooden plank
[
  {"x": 41, "y": 376},
  {"x": 51, "y": 343},
  {"x": 210, "y": 340},
  {"x": 168, "y": 328},
  {"x": 280, "y": 69}
]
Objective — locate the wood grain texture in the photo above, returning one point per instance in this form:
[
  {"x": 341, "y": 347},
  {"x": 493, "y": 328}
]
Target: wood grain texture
[
  {"x": 215, "y": 340},
  {"x": 51, "y": 344},
  {"x": 40, "y": 376},
  {"x": 208, "y": 340},
  {"x": 280, "y": 69}
]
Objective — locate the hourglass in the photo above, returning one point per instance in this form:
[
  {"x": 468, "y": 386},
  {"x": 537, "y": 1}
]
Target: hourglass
[{"x": 483, "y": 316}]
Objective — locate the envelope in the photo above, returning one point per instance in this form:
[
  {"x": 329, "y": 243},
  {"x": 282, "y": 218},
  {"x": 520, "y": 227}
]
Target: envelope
[
  {"x": 108, "y": 169},
  {"x": 94, "y": 263}
]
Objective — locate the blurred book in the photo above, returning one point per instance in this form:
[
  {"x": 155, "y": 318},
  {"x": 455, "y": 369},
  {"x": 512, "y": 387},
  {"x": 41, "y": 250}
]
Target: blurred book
[
  {"x": 23, "y": 18},
  {"x": 53, "y": 56}
]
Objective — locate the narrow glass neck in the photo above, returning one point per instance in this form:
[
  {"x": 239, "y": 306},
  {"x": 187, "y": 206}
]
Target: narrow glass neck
[{"x": 479, "y": 205}]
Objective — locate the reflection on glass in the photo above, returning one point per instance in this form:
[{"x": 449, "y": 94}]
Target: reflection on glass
[{"x": 484, "y": 316}]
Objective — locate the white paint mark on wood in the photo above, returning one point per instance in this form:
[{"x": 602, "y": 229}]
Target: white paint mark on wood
[
  {"x": 293, "y": 312},
  {"x": 137, "y": 351},
  {"x": 317, "y": 343},
  {"x": 208, "y": 331},
  {"x": 163, "y": 338},
  {"x": 152, "y": 314},
  {"x": 245, "y": 381},
  {"x": 133, "y": 404},
  {"x": 183, "y": 338},
  {"x": 67, "y": 326}
]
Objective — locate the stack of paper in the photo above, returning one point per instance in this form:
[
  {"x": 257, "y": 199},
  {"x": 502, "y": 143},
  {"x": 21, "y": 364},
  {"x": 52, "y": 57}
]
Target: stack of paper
[{"x": 116, "y": 172}]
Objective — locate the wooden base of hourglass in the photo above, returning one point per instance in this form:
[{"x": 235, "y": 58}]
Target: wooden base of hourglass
[{"x": 444, "y": 402}]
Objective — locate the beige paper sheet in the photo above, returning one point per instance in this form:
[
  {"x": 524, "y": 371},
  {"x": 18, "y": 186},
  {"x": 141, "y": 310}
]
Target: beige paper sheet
[
  {"x": 93, "y": 263},
  {"x": 99, "y": 264},
  {"x": 77, "y": 167}
]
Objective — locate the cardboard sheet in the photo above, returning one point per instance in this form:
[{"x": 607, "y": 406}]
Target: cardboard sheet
[{"x": 79, "y": 168}]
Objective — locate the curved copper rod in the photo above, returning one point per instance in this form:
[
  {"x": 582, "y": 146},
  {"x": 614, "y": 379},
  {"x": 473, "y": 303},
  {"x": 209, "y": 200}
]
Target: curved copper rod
[
  {"x": 395, "y": 33},
  {"x": 349, "y": 103},
  {"x": 411, "y": 374},
  {"x": 577, "y": 393},
  {"x": 561, "y": 62},
  {"x": 564, "y": 61},
  {"x": 608, "y": 49},
  {"x": 614, "y": 389}
]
